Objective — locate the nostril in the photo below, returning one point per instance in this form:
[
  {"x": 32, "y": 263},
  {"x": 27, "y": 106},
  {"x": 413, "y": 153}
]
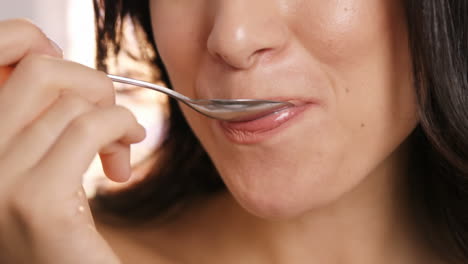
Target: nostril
[
  {"x": 264, "y": 50},
  {"x": 233, "y": 61},
  {"x": 260, "y": 53},
  {"x": 223, "y": 58},
  {"x": 242, "y": 62}
]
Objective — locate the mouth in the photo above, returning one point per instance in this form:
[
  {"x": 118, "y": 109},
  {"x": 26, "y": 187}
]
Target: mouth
[{"x": 257, "y": 130}]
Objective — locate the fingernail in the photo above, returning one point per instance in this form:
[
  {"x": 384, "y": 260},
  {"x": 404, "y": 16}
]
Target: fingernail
[{"x": 56, "y": 47}]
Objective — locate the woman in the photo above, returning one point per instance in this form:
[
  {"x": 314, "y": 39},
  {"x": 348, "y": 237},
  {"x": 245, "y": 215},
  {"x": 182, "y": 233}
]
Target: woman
[{"x": 371, "y": 168}]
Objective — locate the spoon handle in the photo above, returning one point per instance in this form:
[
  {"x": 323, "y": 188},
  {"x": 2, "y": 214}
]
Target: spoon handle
[{"x": 151, "y": 86}]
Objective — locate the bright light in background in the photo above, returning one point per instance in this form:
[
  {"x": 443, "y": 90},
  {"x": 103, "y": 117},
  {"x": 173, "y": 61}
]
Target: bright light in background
[
  {"x": 80, "y": 32},
  {"x": 70, "y": 23},
  {"x": 145, "y": 104}
]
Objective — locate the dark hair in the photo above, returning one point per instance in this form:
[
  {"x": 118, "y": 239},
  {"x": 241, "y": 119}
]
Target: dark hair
[
  {"x": 438, "y": 182},
  {"x": 183, "y": 171}
]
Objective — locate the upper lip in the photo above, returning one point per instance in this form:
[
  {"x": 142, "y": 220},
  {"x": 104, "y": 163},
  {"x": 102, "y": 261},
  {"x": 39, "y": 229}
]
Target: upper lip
[
  {"x": 283, "y": 98},
  {"x": 253, "y": 90},
  {"x": 297, "y": 102}
]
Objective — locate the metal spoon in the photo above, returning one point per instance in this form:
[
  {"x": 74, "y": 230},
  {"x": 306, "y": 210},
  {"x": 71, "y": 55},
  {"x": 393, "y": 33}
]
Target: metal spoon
[{"x": 233, "y": 110}]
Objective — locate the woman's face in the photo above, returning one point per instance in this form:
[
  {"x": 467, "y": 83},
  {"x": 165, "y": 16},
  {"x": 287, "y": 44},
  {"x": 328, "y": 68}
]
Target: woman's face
[{"x": 346, "y": 62}]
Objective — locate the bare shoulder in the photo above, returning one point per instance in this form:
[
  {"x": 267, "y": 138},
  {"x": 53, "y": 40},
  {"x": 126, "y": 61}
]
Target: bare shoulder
[
  {"x": 187, "y": 236},
  {"x": 134, "y": 245}
]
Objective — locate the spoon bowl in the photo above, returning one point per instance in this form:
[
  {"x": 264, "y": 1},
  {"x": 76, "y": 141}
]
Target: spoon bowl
[{"x": 232, "y": 110}]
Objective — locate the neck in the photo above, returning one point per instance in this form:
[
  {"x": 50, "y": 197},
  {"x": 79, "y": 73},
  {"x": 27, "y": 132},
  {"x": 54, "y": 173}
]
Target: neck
[{"x": 369, "y": 224}]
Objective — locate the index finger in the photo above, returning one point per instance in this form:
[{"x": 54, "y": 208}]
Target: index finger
[{"x": 20, "y": 38}]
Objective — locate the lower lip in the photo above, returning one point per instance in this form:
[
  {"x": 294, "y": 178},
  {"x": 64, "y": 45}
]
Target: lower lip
[{"x": 258, "y": 130}]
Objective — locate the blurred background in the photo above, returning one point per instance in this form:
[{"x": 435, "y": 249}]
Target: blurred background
[{"x": 70, "y": 23}]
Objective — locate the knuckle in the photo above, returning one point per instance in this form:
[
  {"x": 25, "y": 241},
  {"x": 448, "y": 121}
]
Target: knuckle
[
  {"x": 125, "y": 116},
  {"x": 36, "y": 66},
  {"x": 84, "y": 126},
  {"x": 19, "y": 207},
  {"x": 74, "y": 103},
  {"x": 125, "y": 113},
  {"x": 107, "y": 85},
  {"x": 27, "y": 27},
  {"x": 102, "y": 77}
]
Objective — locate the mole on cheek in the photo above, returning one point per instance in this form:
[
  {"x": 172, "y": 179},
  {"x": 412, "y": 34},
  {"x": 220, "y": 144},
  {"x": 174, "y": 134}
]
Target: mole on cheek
[{"x": 363, "y": 125}]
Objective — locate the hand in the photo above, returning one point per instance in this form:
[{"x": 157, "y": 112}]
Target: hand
[{"x": 55, "y": 116}]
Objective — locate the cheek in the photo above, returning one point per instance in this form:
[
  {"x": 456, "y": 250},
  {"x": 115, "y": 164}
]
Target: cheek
[
  {"x": 335, "y": 31},
  {"x": 362, "y": 46},
  {"x": 371, "y": 108},
  {"x": 178, "y": 28}
]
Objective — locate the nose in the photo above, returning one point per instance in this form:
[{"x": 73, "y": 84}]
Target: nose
[{"x": 246, "y": 31}]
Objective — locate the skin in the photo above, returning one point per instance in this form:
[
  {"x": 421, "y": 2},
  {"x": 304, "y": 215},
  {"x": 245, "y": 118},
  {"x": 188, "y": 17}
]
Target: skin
[
  {"x": 53, "y": 124},
  {"x": 325, "y": 189},
  {"x": 350, "y": 56}
]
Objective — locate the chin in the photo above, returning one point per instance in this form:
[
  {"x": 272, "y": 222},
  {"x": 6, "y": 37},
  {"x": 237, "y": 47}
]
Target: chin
[
  {"x": 283, "y": 196},
  {"x": 275, "y": 206},
  {"x": 270, "y": 207}
]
